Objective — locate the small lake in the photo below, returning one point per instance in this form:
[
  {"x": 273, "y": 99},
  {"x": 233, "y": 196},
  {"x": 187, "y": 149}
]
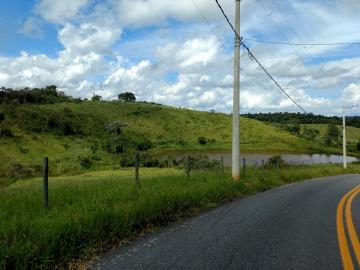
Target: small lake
[{"x": 256, "y": 158}]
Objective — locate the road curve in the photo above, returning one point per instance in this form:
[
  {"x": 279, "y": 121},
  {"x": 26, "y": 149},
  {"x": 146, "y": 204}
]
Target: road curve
[{"x": 290, "y": 227}]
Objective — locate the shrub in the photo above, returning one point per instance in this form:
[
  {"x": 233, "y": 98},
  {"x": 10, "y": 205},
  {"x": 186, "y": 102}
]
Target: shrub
[
  {"x": 144, "y": 145},
  {"x": 67, "y": 110},
  {"x": 276, "y": 161},
  {"x": 180, "y": 142},
  {"x": 310, "y": 133},
  {"x": 96, "y": 98},
  {"x": 63, "y": 124},
  {"x": 18, "y": 171},
  {"x": 6, "y": 133},
  {"x": 127, "y": 97},
  {"x": 85, "y": 162},
  {"x": 294, "y": 129},
  {"x": 115, "y": 127},
  {"x": 2, "y": 117},
  {"x": 202, "y": 140},
  {"x": 200, "y": 162}
]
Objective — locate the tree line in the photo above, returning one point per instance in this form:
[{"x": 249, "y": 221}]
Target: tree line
[
  {"x": 300, "y": 118},
  {"x": 48, "y": 95}
]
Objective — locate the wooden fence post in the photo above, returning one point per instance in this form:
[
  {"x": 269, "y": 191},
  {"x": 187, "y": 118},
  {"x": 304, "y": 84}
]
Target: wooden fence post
[
  {"x": 137, "y": 166},
  {"x": 188, "y": 167},
  {"x": 262, "y": 170},
  {"x": 46, "y": 182},
  {"x": 222, "y": 166},
  {"x": 244, "y": 166}
]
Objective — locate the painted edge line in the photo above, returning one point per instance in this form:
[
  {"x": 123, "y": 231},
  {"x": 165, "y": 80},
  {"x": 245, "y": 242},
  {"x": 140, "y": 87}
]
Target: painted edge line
[
  {"x": 350, "y": 226},
  {"x": 343, "y": 243}
]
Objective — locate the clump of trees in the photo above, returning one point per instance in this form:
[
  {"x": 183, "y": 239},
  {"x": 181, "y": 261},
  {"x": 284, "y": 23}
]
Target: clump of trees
[
  {"x": 276, "y": 161},
  {"x": 96, "y": 98},
  {"x": 332, "y": 136},
  {"x": 127, "y": 97},
  {"x": 301, "y": 118},
  {"x": 202, "y": 140},
  {"x": 310, "y": 133},
  {"x": 47, "y": 95}
]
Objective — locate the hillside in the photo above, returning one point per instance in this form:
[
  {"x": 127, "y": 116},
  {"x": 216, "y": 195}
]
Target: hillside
[
  {"x": 74, "y": 135},
  {"x": 352, "y": 133}
]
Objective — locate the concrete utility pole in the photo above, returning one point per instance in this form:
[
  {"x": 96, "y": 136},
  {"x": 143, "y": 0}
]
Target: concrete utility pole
[
  {"x": 344, "y": 140},
  {"x": 236, "y": 100}
]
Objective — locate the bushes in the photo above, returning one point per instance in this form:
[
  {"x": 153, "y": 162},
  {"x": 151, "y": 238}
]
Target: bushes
[
  {"x": 202, "y": 140},
  {"x": 144, "y": 145},
  {"x": 276, "y": 161},
  {"x": 85, "y": 162},
  {"x": 63, "y": 124},
  {"x": 197, "y": 162},
  {"x": 128, "y": 142},
  {"x": 6, "y": 133},
  {"x": 200, "y": 162},
  {"x": 310, "y": 133},
  {"x": 19, "y": 170},
  {"x": 47, "y": 95}
]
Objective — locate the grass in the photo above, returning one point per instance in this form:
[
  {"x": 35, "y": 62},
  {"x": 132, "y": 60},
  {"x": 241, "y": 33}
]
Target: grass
[
  {"x": 352, "y": 133},
  {"x": 96, "y": 210},
  {"x": 168, "y": 128}
]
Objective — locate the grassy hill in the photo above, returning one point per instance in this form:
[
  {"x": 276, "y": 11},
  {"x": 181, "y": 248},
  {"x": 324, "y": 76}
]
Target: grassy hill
[
  {"x": 74, "y": 136},
  {"x": 352, "y": 133}
]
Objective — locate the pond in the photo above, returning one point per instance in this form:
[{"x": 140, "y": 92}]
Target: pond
[{"x": 256, "y": 158}]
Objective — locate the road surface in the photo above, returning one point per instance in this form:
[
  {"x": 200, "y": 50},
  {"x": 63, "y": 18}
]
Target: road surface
[{"x": 308, "y": 225}]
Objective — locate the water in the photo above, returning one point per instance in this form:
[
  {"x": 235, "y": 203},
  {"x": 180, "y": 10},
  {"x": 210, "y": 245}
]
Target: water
[{"x": 256, "y": 158}]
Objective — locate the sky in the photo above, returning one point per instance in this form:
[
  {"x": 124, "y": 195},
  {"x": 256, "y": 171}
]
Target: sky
[{"x": 180, "y": 53}]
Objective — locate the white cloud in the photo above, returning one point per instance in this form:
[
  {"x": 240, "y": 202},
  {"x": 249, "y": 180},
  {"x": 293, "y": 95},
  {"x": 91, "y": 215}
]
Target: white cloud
[
  {"x": 59, "y": 11},
  {"x": 351, "y": 94},
  {"x": 32, "y": 28},
  {"x": 88, "y": 38},
  {"x": 98, "y": 57}
]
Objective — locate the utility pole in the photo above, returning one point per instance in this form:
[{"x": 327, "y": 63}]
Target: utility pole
[
  {"x": 344, "y": 140},
  {"x": 236, "y": 99}
]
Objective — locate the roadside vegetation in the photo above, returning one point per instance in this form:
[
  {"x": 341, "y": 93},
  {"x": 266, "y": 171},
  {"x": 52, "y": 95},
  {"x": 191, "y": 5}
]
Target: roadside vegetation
[
  {"x": 83, "y": 135},
  {"x": 91, "y": 212},
  {"x": 300, "y": 118}
]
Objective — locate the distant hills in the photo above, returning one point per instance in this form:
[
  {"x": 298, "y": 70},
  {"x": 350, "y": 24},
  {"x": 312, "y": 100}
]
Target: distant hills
[{"x": 80, "y": 135}]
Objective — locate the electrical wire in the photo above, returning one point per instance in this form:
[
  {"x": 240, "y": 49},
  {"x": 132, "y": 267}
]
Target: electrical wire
[
  {"x": 256, "y": 60},
  {"x": 301, "y": 44},
  {"x": 208, "y": 23}
]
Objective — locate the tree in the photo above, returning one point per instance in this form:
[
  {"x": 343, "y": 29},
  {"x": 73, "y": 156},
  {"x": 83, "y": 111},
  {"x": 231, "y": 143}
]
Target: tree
[
  {"x": 310, "y": 133},
  {"x": 96, "y": 98},
  {"x": 358, "y": 146},
  {"x": 127, "y": 97},
  {"x": 202, "y": 140},
  {"x": 115, "y": 127},
  {"x": 294, "y": 129},
  {"x": 332, "y": 134}
]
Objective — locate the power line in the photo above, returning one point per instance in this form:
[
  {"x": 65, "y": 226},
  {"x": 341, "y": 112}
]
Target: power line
[
  {"x": 301, "y": 44},
  {"x": 254, "y": 58},
  {"x": 207, "y": 21},
  {"x": 282, "y": 33}
]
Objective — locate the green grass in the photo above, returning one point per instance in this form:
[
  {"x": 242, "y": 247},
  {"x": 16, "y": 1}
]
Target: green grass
[
  {"x": 166, "y": 127},
  {"x": 352, "y": 133},
  {"x": 96, "y": 210}
]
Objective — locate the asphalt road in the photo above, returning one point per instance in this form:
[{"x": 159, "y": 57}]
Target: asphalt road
[{"x": 291, "y": 227}]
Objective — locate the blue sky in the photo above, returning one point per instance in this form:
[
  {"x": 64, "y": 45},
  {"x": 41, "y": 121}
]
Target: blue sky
[{"x": 165, "y": 51}]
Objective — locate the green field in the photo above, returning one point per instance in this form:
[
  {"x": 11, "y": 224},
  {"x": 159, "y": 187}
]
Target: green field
[
  {"x": 40, "y": 130},
  {"x": 352, "y": 133},
  {"x": 91, "y": 212}
]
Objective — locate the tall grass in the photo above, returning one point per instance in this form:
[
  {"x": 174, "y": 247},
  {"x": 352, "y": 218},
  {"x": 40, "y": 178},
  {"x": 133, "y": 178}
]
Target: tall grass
[{"x": 96, "y": 210}]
